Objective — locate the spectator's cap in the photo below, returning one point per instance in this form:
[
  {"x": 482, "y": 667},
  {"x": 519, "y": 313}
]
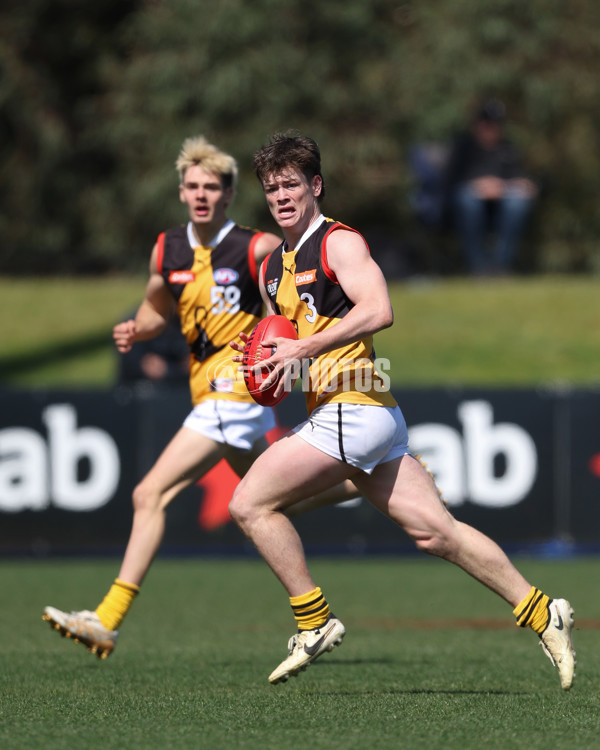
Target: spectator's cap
[{"x": 492, "y": 110}]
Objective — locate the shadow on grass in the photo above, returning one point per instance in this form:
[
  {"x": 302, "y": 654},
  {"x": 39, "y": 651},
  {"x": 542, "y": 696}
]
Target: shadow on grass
[{"x": 77, "y": 346}]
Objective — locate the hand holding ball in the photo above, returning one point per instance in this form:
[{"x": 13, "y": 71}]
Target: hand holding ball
[{"x": 255, "y": 352}]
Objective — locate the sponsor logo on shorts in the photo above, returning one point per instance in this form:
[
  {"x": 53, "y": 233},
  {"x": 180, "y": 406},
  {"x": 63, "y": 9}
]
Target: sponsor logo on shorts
[
  {"x": 181, "y": 277},
  {"x": 306, "y": 277},
  {"x": 225, "y": 276}
]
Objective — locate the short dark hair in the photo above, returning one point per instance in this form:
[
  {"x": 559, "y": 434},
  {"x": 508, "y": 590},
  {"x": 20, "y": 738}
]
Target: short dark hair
[{"x": 286, "y": 150}]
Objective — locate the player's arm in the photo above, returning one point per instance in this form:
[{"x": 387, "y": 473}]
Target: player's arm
[
  {"x": 152, "y": 315},
  {"x": 363, "y": 283}
]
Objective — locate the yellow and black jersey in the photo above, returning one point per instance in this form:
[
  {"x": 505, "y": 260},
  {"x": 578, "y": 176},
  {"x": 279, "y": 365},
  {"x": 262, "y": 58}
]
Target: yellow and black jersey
[
  {"x": 304, "y": 289},
  {"x": 216, "y": 292}
]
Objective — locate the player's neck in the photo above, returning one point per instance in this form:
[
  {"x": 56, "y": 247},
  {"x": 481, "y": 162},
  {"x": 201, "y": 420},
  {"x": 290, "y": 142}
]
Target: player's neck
[
  {"x": 204, "y": 233},
  {"x": 294, "y": 235}
]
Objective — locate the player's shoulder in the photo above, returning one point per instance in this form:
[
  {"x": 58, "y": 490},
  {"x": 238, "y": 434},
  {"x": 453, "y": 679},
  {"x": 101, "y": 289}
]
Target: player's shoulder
[
  {"x": 177, "y": 232},
  {"x": 173, "y": 249},
  {"x": 338, "y": 233},
  {"x": 242, "y": 229},
  {"x": 173, "y": 237},
  {"x": 266, "y": 242}
]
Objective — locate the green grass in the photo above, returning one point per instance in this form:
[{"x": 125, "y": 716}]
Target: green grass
[
  {"x": 194, "y": 653},
  {"x": 508, "y": 332},
  {"x": 521, "y": 331},
  {"x": 59, "y": 331}
]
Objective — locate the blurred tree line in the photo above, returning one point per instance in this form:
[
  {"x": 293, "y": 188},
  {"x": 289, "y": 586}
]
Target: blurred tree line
[{"x": 96, "y": 98}]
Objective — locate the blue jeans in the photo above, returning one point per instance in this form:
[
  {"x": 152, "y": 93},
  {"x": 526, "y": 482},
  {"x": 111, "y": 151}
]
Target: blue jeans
[{"x": 507, "y": 221}]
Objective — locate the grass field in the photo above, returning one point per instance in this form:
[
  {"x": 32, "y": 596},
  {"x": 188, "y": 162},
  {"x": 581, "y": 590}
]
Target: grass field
[
  {"x": 522, "y": 331},
  {"x": 431, "y": 660}
]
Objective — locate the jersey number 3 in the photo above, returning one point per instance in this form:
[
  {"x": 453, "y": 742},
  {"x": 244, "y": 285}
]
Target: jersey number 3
[{"x": 310, "y": 303}]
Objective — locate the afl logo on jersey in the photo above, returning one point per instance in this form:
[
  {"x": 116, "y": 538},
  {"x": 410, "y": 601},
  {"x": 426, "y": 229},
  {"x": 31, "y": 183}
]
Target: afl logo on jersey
[
  {"x": 272, "y": 287},
  {"x": 225, "y": 276}
]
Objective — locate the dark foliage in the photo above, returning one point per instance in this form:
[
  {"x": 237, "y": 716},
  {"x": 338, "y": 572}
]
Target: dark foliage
[{"x": 95, "y": 100}]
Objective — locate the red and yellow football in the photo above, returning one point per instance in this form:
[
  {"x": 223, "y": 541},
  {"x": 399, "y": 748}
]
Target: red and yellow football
[{"x": 255, "y": 352}]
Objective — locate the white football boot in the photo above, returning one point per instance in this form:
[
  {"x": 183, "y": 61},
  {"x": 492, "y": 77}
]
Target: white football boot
[
  {"x": 557, "y": 641},
  {"x": 305, "y": 646},
  {"x": 83, "y": 627}
]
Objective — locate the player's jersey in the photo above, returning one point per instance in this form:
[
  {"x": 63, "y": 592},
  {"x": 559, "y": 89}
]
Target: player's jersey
[
  {"x": 304, "y": 289},
  {"x": 216, "y": 292}
]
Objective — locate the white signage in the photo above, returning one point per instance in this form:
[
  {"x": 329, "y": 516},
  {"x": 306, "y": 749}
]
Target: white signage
[
  {"x": 464, "y": 464},
  {"x": 36, "y": 472}
]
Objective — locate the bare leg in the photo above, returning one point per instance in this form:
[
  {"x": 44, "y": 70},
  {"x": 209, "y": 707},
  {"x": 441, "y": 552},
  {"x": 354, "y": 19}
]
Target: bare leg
[
  {"x": 340, "y": 493},
  {"x": 286, "y": 473},
  {"x": 404, "y": 491},
  {"x": 241, "y": 462},
  {"x": 186, "y": 458}
]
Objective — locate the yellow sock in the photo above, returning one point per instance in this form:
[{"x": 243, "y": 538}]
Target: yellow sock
[
  {"x": 533, "y": 611},
  {"x": 116, "y": 603},
  {"x": 310, "y": 610}
]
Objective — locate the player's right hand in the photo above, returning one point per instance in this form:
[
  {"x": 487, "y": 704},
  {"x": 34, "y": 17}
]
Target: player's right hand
[{"x": 124, "y": 335}]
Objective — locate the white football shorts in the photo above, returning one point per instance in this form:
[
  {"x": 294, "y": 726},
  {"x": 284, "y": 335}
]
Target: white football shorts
[
  {"x": 234, "y": 423},
  {"x": 358, "y": 434}
]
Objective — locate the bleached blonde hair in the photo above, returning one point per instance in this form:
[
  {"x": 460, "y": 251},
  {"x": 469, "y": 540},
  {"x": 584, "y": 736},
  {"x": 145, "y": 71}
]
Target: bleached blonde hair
[{"x": 197, "y": 151}]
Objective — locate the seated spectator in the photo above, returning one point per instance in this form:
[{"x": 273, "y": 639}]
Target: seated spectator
[
  {"x": 163, "y": 359},
  {"x": 488, "y": 194}
]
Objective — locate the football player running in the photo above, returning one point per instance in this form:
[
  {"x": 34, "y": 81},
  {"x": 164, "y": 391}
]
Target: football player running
[{"x": 325, "y": 281}]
